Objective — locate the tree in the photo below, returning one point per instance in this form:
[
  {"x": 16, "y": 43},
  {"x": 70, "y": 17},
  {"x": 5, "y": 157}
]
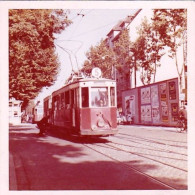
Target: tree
[
  {"x": 147, "y": 50},
  {"x": 108, "y": 58},
  {"x": 100, "y": 56},
  {"x": 122, "y": 51},
  {"x": 171, "y": 25},
  {"x": 33, "y": 62}
]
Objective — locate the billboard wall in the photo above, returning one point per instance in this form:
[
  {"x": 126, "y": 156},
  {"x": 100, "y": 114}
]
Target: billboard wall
[{"x": 154, "y": 104}]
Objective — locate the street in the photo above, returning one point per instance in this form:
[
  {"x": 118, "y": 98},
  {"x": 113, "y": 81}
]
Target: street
[{"x": 137, "y": 158}]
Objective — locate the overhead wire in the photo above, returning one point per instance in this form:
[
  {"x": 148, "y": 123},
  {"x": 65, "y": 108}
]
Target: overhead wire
[{"x": 98, "y": 28}]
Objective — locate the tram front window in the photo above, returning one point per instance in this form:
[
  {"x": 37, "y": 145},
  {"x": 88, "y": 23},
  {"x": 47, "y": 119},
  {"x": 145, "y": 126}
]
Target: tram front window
[{"x": 99, "y": 97}]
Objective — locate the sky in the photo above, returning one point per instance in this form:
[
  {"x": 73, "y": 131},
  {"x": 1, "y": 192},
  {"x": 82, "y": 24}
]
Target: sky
[{"x": 88, "y": 28}]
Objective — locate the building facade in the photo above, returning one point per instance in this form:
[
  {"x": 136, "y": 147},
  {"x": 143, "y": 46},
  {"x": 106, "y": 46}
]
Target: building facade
[
  {"x": 123, "y": 78},
  {"x": 15, "y": 112}
]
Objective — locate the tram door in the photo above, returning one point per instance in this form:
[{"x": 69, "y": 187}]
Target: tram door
[{"x": 73, "y": 107}]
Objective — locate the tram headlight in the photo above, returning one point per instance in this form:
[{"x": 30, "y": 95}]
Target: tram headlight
[{"x": 94, "y": 127}]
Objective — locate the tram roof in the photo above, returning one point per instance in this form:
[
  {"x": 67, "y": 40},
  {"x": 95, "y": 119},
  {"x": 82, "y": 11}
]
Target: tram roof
[{"x": 79, "y": 80}]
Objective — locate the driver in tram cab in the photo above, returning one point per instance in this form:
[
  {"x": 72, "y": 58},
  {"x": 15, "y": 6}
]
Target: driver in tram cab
[{"x": 101, "y": 103}]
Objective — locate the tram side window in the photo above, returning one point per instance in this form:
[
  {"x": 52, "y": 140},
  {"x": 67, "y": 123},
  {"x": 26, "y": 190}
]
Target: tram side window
[
  {"x": 58, "y": 102},
  {"x": 85, "y": 97},
  {"x": 62, "y": 100},
  {"x": 72, "y": 97},
  {"x": 55, "y": 103},
  {"x": 112, "y": 96},
  {"x": 77, "y": 97},
  {"x": 67, "y": 99},
  {"x": 99, "y": 97}
]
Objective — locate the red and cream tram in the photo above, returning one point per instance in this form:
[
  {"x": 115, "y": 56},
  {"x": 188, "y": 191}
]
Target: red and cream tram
[{"x": 86, "y": 106}]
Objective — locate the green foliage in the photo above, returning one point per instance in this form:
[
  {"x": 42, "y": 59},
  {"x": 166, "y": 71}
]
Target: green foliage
[
  {"x": 147, "y": 50},
  {"x": 122, "y": 49},
  {"x": 33, "y": 62},
  {"x": 106, "y": 58},
  {"x": 167, "y": 29},
  {"x": 171, "y": 25},
  {"x": 100, "y": 56}
]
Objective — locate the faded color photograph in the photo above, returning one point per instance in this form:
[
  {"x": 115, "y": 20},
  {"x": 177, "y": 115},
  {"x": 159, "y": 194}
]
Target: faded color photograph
[{"x": 98, "y": 99}]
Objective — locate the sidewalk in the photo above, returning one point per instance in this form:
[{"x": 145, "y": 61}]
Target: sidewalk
[
  {"x": 151, "y": 127},
  {"x": 12, "y": 173}
]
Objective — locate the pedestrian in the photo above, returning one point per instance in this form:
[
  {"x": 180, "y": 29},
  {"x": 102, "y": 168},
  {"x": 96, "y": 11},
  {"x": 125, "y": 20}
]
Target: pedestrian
[
  {"x": 129, "y": 118},
  {"x": 183, "y": 113},
  {"x": 42, "y": 124}
]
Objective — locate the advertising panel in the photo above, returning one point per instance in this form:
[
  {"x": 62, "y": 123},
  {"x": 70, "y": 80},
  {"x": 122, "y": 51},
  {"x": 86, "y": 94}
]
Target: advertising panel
[
  {"x": 155, "y": 104},
  {"x": 155, "y": 114},
  {"x": 163, "y": 102},
  {"x": 163, "y": 94},
  {"x": 164, "y": 113},
  {"x": 154, "y": 96},
  {"x": 172, "y": 90},
  {"x": 146, "y": 113},
  {"x": 145, "y": 95},
  {"x": 148, "y": 117},
  {"x": 143, "y": 113},
  {"x": 174, "y": 111},
  {"x": 130, "y": 105}
]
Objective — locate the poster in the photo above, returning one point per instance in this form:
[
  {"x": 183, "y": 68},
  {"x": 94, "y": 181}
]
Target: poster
[
  {"x": 174, "y": 111},
  {"x": 148, "y": 117},
  {"x": 130, "y": 105},
  {"x": 165, "y": 117},
  {"x": 154, "y": 96},
  {"x": 155, "y": 114},
  {"x": 163, "y": 94},
  {"x": 146, "y": 113},
  {"x": 145, "y": 95},
  {"x": 143, "y": 113},
  {"x": 172, "y": 90}
]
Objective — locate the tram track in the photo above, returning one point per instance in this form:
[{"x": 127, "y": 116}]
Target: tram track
[
  {"x": 158, "y": 149},
  {"x": 150, "y": 153},
  {"x": 132, "y": 168},
  {"x": 143, "y": 156},
  {"x": 151, "y": 140},
  {"x": 139, "y": 140}
]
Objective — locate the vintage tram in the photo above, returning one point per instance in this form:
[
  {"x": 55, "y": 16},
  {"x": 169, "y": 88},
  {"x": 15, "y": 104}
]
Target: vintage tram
[{"x": 85, "y": 107}]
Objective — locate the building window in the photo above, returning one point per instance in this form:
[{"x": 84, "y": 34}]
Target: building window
[{"x": 15, "y": 113}]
